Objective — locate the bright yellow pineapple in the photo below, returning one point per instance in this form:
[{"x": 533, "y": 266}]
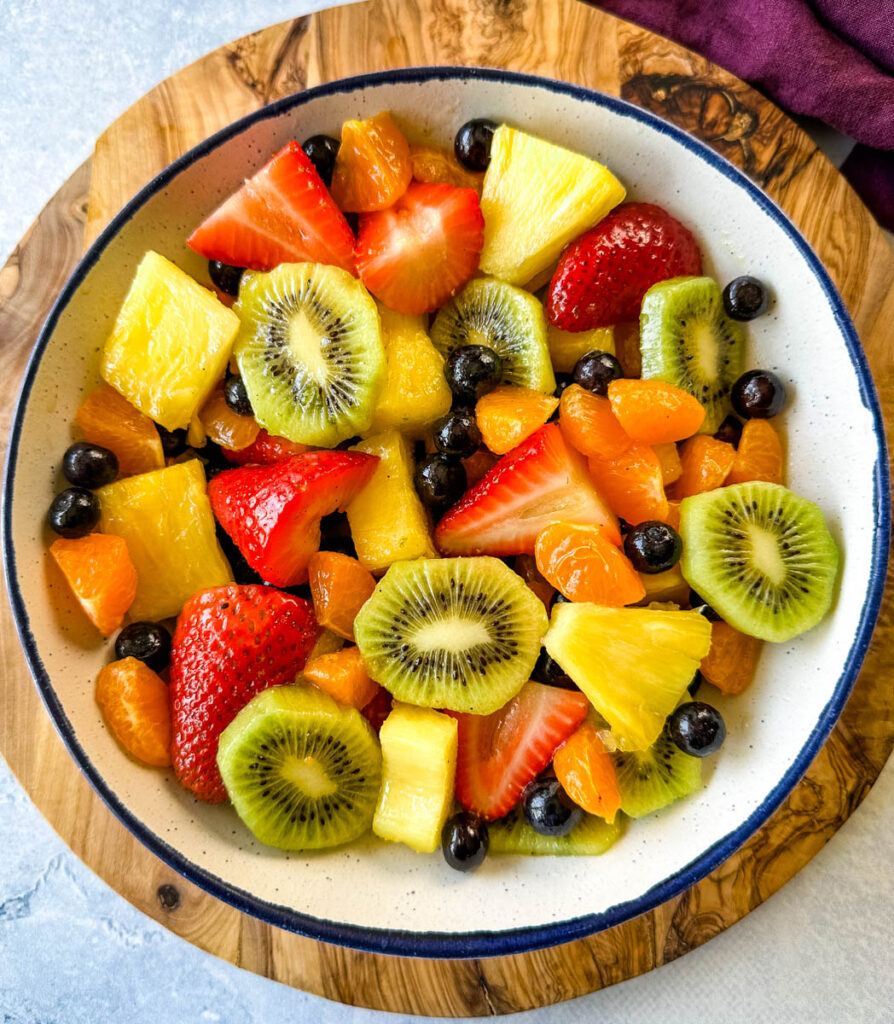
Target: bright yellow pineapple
[
  {"x": 170, "y": 344},
  {"x": 166, "y": 521},
  {"x": 566, "y": 347}
]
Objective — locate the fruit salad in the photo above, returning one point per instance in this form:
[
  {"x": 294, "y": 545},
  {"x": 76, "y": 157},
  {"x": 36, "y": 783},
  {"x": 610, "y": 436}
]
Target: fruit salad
[{"x": 440, "y": 507}]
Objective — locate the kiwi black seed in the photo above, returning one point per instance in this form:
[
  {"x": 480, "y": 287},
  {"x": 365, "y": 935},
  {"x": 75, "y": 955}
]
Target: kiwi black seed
[
  {"x": 687, "y": 339},
  {"x": 310, "y": 352},
  {"x": 651, "y": 779},
  {"x": 590, "y": 837},
  {"x": 302, "y": 771},
  {"x": 455, "y": 633}
]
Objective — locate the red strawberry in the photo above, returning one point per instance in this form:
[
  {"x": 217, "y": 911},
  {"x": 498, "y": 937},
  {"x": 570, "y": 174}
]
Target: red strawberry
[
  {"x": 499, "y": 754},
  {"x": 378, "y": 709},
  {"x": 230, "y": 643},
  {"x": 603, "y": 275},
  {"x": 418, "y": 253},
  {"x": 265, "y": 450},
  {"x": 540, "y": 481},
  {"x": 272, "y": 513},
  {"x": 284, "y": 214}
]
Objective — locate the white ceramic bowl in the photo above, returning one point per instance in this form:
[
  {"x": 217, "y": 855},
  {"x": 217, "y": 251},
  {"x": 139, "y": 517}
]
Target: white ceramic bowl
[{"x": 384, "y": 897}]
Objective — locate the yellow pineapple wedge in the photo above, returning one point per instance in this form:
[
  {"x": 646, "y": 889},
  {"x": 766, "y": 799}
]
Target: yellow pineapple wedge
[
  {"x": 415, "y": 392},
  {"x": 418, "y": 773},
  {"x": 566, "y": 347},
  {"x": 170, "y": 344},
  {"x": 536, "y": 198},
  {"x": 632, "y": 663},
  {"x": 166, "y": 521},
  {"x": 387, "y": 520}
]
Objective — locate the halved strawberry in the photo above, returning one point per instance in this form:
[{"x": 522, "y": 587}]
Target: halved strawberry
[
  {"x": 418, "y": 253},
  {"x": 272, "y": 513},
  {"x": 499, "y": 754},
  {"x": 284, "y": 214},
  {"x": 265, "y": 450},
  {"x": 540, "y": 481}
]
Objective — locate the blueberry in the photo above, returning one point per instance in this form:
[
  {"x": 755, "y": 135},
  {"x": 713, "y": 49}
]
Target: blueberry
[
  {"x": 74, "y": 512},
  {"x": 464, "y": 841},
  {"x": 698, "y": 604},
  {"x": 697, "y": 729},
  {"x": 730, "y": 431},
  {"x": 439, "y": 480},
  {"x": 563, "y": 380},
  {"x": 236, "y": 396},
  {"x": 226, "y": 278},
  {"x": 745, "y": 298},
  {"x": 322, "y": 150},
  {"x": 457, "y": 434},
  {"x": 697, "y": 680},
  {"x": 653, "y": 547},
  {"x": 758, "y": 394},
  {"x": 148, "y": 641},
  {"x": 88, "y": 465},
  {"x": 548, "y": 808},
  {"x": 550, "y": 672},
  {"x": 472, "y": 143},
  {"x": 472, "y": 371},
  {"x": 173, "y": 442},
  {"x": 595, "y": 370},
  {"x": 559, "y": 598},
  {"x": 624, "y": 526}
]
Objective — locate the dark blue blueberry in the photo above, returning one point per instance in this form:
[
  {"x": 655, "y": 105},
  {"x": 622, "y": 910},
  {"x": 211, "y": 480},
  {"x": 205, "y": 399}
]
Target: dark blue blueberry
[
  {"x": 440, "y": 481},
  {"x": 758, "y": 395},
  {"x": 148, "y": 641},
  {"x": 745, "y": 298},
  {"x": 548, "y": 808},
  {"x": 653, "y": 547},
  {"x": 550, "y": 672},
  {"x": 226, "y": 278},
  {"x": 236, "y": 396},
  {"x": 563, "y": 380},
  {"x": 322, "y": 150},
  {"x": 89, "y": 465},
  {"x": 697, "y": 729},
  {"x": 464, "y": 841},
  {"x": 74, "y": 512},
  {"x": 595, "y": 370},
  {"x": 457, "y": 434},
  {"x": 472, "y": 371},
  {"x": 472, "y": 143}
]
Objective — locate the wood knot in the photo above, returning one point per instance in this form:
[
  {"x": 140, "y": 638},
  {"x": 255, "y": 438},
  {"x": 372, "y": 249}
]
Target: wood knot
[{"x": 168, "y": 897}]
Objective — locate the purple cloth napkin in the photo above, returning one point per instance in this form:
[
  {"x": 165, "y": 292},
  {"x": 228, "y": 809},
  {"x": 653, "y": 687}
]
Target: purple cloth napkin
[{"x": 829, "y": 59}]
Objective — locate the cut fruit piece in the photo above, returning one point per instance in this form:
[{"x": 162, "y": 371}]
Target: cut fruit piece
[
  {"x": 673, "y": 515},
  {"x": 170, "y": 344},
  {"x": 758, "y": 456},
  {"x": 266, "y": 449},
  {"x": 457, "y": 633},
  {"x": 761, "y": 556},
  {"x": 440, "y": 166},
  {"x": 343, "y": 676},
  {"x": 651, "y": 779},
  {"x": 666, "y": 586},
  {"x": 303, "y": 772},
  {"x": 590, "y": 425},
  {"x": 504, "y": 318},
  {"x": 283, "y": 214},
  {"x": 500, "y": 753},
  {"x": 669, "y": 459},
  {"x": 508, "y": 415},
  {"x": 687, "y": 340},
  {"x": 310, "y": 352},
  {"x": 537, "y": 197},
  {"x": 339, "y": 586},
  {"x": 584, "y": 565},
  {"x": 226, "y": 427},
  {"x": 101, "y": 576},
  {"x": 373, "y": 167},
  {"x": 541, "y": 480},
  {"x": 379, "y": 708},
  {"x": 655, "y": 412},
  {"x": 134, "y": 701},
  {"x": 477, "y": 466},
  {"x": 634, "y": 664},
  {"x": 387, "y": 520},
  {"x": 165, "y": 519},
  {"x": 526, "y": 567},
  {"x": 327, "y": 642},
  {"x": 732, "y": 661},
  {"x": 632, "y": 484},
  {"x": 566, "y": 347},
  {"x": 587, "y": 773},
  {"x": 591, "y": 837},
  {"x": 706, "y": 464},
  {"x": 418, "y": 771},
  {"x": 109, "y": 420}
]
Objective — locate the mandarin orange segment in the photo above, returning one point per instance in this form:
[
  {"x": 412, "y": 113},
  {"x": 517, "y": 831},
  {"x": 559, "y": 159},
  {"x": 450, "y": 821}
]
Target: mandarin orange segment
[
  {"x": 669, "y": 458},
  {"x": 339, "y": 586},
  {"x": 136, "y": 706},
  {"x": 101, "y": 575},
  {"x": 587, "y": 773},
  {"x": 373, "y": 167},
  {"x": 590, "y": 426},
  {"x": 507, "y": 415},
  {"x": 526, "y": 567},
  {"x": 583, "y": 564},
  {"x": 759, "y": 456},
  {"x": 655, "y": 412},
  {"x": 440, "y": 167},
  {"x": 706, "y": 465},
  {"x": 478, "y": 465},
  {"x": 343, "y": 676},
  {"x": 632, "y": 484},
  {"x": 732, "y": 660},
  {"x": 108, "y": 419},
  {"x": 226, "y": 427}
]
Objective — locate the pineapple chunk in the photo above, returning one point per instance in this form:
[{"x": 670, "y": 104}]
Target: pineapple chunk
[
  {"x": 536, "y": 198},
  {"x": 387, "y": 520},
  {"x": 170, "y": 344},
  {"x": 415, "y": 392},
  {"x": 166, "y": 521},
  {"x": 665, "y": 586},
  {"x": 566, "y": 347},
  {"x": 418, "y": 771},
  {"x": 632, "y": 663}
]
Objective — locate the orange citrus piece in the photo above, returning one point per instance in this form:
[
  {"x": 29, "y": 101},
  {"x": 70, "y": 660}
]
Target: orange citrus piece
[
  {"x": 440, "y": 167},
  {"x": 583, "y": 564},
  {"x": 373, "y": 167},
  {"x": 339, "y": 586},
  {"x": 632, "y": 484},
  {"x": 477, "y": 465},
  {"x": 759, "y": 456},
  {"x": 101, "y": 575},
  {"x": 655, "y": 412},
  {"x": 507, "y": 415},
  {"x": 731, "y": 662},
  {"x": 590, "y": 426},
  {"x": 343, "y": 676},
  {"x": 669, "y": 459},
  {"x": 706, "y": 464},
  {"x": 526, "y": 567},
  {"x": 108, "y": 419},
  {"x": 226, "y": 427},
  {"x": 587, "y": 773},
  {"x": 136, "y": 706}
]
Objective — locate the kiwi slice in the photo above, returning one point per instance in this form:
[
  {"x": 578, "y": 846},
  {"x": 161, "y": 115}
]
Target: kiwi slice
[
  {"x": 589, "y": 837},
  {"x": 505, "y": 318},
  {"x": 651, "y": 779},
  {"x": 761, "y": 556},
  {"x": 456, "y": 633},
  {"x": 302, "y": 771},
  {"x": 310, "y": 352},
  {"x": 687, "y": 339}
]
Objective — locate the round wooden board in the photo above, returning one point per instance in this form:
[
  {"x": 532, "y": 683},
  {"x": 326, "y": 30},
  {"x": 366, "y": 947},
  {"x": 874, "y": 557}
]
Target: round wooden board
[{"x": 562, "y": 39}]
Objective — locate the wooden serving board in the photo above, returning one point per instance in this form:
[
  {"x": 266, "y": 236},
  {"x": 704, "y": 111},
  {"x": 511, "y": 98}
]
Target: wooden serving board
[{"x": 562, "y": 39}]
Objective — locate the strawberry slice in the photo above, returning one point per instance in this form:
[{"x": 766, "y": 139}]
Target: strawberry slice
[
  {"x": 272, "y": 513},
  {"x": 418, "y": 253},
  {"x": 499, "y": 754},
  {"x": 284, "y": 214},
  {"x": 537, "y": 483},
  {"x": 265, "y": 450}
]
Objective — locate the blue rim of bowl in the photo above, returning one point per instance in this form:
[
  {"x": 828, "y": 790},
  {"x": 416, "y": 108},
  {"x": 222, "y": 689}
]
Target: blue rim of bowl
[{"x": 480, "y": 943}]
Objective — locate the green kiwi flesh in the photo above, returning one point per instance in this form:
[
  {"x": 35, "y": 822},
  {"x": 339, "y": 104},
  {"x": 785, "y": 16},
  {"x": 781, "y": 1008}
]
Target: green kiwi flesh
[
  {"x": 505, "y": 318},
  {"x": 310, "y": 352},
  {"x": 302, "y": 771},
  {"x": 591, "y": 836},
  {"x": 455, "y": 633},
  {"x": 686, "y": 339},
  {"x": 651, "y": 779},
  {"x": 761, "y": 556}
]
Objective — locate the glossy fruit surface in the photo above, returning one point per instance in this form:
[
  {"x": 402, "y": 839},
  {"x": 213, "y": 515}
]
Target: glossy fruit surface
[
  {"x": 632, "y": 484},
  {"x": 322, "y": 150},
  {"x": 440, "y": 480},
  {"x": 472, "y": 143},
  {"x": 697, "y": 729},
  {"x": 148, "y": 642},
  {"x": 373, "y": 166},
  {"x": 551, "y": 672},
  {"x": 759, "y": 455},
  {"x": 706, "y": 464},
  {"x": 224, "y": 426},
  {"x": 654, "y": 412},
  {"x": 89, "y": 465},
  {"x": 587, "y": 773},
  {"x": 548, "y": 809},
  {"x": 471, "y": 371},
  {"x": 507, "y": 415},
  {"x": 74, "y": 512},
  {"x": 109, "y": 420},
  {"x": 732, "y": 660},
  {"x": 567, "y": 347},
  {"x": 440, "y": 167},
  {"x": 340, "y": 586},
  {"x": 479, "y": 465},
  {"x": 457, "y": 434},
  {"x": 730, "y": 430},
  {"x": 464, "y": 841},
  {"x": 595, "y": 370},
  {"x": 758, "y": 394},
  {"x": 590, "y": 425},
  {"x": 135, "y": 704},
  {"x": 225, "y": 277},
  {"x": 237, "y": 397},
  {"x": 653, "y": 547},
  {"x": 669, "y": 458},
  {"x": 582, "y": 563},
  {"x": 343, "y": 676},
  {"x": 101, "y": 576},
  {"x": 265, "y": 450},
  {"x": 745, "y": 298}
]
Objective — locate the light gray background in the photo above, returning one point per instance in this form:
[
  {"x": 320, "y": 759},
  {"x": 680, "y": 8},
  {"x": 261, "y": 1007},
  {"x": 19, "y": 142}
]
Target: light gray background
[{"x": 73, "y": 951}]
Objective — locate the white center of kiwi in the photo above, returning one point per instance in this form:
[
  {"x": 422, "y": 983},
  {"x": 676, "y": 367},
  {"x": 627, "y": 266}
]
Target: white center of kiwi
[
  {"x": 707, "y": 351},
  {"x": 306, "y": 346},
  {"x": 308, "y": 775},
  {"x": 451, "y": 633},
  {"x": 765, "y": 554}
]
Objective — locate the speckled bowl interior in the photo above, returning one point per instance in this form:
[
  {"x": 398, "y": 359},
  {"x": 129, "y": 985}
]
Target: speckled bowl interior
[{"x": 384, "y": 897}]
